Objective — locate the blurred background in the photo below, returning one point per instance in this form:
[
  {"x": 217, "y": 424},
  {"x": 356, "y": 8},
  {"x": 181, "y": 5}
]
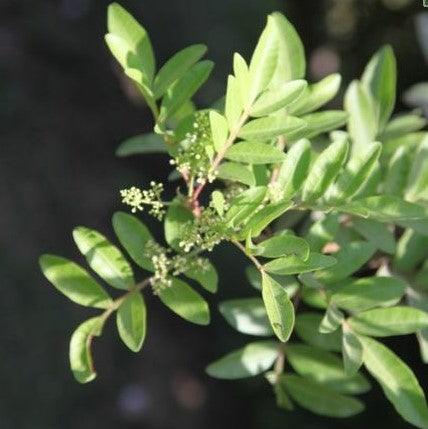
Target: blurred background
[{"x": 64, "y": 108}]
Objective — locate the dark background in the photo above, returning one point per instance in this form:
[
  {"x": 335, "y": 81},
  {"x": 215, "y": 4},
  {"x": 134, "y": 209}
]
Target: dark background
[{"x": 64, "y": 108}]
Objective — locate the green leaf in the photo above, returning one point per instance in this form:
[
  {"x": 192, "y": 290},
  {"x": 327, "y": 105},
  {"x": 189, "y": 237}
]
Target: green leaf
[
  {"x": 277, "y": 97},
  {"x": 282, "y": 398},
  {"x": 362, "y": 123},
  {"x": 206, "y": 276},
  {"x": 184, "y": 301},
  {"x": 269, "y": 127},
  {"x": 352, "y": 351},
  {"x": 294, "y": 169},
  {"x": 237, "y": 173},
  {"x": 412, "y": 248},
  {"x": 242, "y": 75},
  {"x": 177, "y": 217},
  {"x": 325, "y": 169},
  {"x": 122, "y": 25},
  {"x": 369, "y": 292},
  {"x": 263, "y": 61},
  {"x": 349, "y": 260},
  {"x": 417, "y": 188},
  {"x": 306, "y": 327},
  {"x": 133, "y": 235},
  {"x": 420, "y": 300},
  {"x": 357, "y": 171},
  {"x": 385, "y": 322},
  {"x": 251, "y": 360},
  {"x": 331, "y": 321},
  {"x": 247, "y": 315},
  {"x": 282, "y": 245},
  {"x": 131, "y": 321},
  {"x": 254, "y": 153},
  {"x": 219, "y": 129},
  {"x": 397, "y": 381},
  {"x": 176, "y": 67},
  {"x": 254, "y": 277},
  {"x": 386, "y": 208},
  {"x": 398, "y": 171},
  {"x": 260, "y": 220},
  {"x": 316, "y": 95},
  {"x": 380, "y": 79},
  {"x": 319, "y": 399},
  {"x": 81, "y": 362},
  {"x": 244, "y": 205},
  {"x": 279, "y": 308},
  {"x": 296, "y": 265},
  {"x": 104, "y": 258},
  {"x": 184, "y": 88},
  {"x": 376, "y": 233},
  {"x": 74, "y": 282},
  {"x": 291, "y": 62},
  {"x": 233, "y": 104},
  {"x": 142, "y": 144},
  {"x": 402, "y": 125},
  {"x": 325, "y": 368}
]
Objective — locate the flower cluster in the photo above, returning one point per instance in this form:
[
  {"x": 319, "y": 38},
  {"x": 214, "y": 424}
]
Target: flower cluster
[
  {"x": 137, "y": 198},
  {"x": 196, "y": 151}
]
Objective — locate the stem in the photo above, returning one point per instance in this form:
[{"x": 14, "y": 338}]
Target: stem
[
  {"x": 279, "y": 363},
  {"x": 254, "y": 260}
]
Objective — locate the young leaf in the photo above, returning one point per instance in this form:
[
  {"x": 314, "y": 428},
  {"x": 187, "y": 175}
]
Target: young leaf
[
  {"x": 376, "y": 233},
  {"x": 269, "y": 127},
  {"x": 385, "y": 322},
  {"x": 74, "y": 282},
  {"x": 131, "y": 321},
  {"x": 398, "y": 171},
  {"x": 184, "y": 301},
  {"x": 319, "y": 399},
  {"x": 237, "y": 172},
  {"x": 104, "y": 258},
  {"x": 401, "y": 125},
  {"x": 380, "y": 79},
  {"x": 277, "y": 97},
  {"x": 332, "y": 319},
  {"x": 80, "y": 349},
  {"x": 282, "y": 245},
  {"x": 184, "y": 88},
  {"x": 325, "y": 368},
  {"x": 325, "y": 169},
  {"x": 206, "y": 276},
  {"x": 242, "y": 75},
  {"x": 247, "y": 315},
  {"x": 177, "y": 216},
  {"x": 142, "y": 144},
  {"x": 294, "y": 169},
  {"x": 349, "y": 259},
  {"x": 352, "y": 351},
  {"x": 176, "y": 67},
  {"x": 279, "y": 308},
  {"x": 397, "y": 381},
  {"x": 306, "y": 328},
  {"x": 369, "y": 292},
  {"x": 219, "y": 129},
  {"x": 133, "y": 235},
  {"x": 417, "y": 187},
  {"x": 254, "y": 153},
  {"x": 251, "y": 360},
  {"x": 295, "y": 265},
  {"x": 323, "y": 231},
  {"x": 233, "y": 105},
  {"x": 316, "y": 95}
]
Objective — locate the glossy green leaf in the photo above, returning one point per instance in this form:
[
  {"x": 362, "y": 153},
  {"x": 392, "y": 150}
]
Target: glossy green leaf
[
  {"x": 74, "y": 282},
  {"x": 206, "y": 276},
  {"x": 325, "y": 368},
  {"x": 131, "y": 321},
  {"x": 282, "y": 245},
  {"x": 316, "y": 95},
  {"x": 236, "y": 172},
  {"x": 176, "y": 67},
  {"x": 251, "y": 360},
  {"x": 176, "y": 219},
  {"x": 321, "y": 400},
  {"x": 184, "y": 301},
  {"x": 269, "y": 127},
  {"x": 296, "y": 265},
  {"x": 397, "y": 381},
  {"x": 80, "y": 355},
  {"x": 369, "y": 292},
  {"x": 254, "y": 153},
  {"x": 104, "y": 258},
  {"x": 324, "y": 170},
  {"x": 385, "y": 322},
  {"x": 142, "y": 144},
  {"x": 380, "y": 79},
  {"x": 277, "y": 97},
  {"x": 331, "y": 321},
  {"x": 133, "y": 235},
  {"x": 219, "y": 129},
  {"x": 352, "y": 351},
  {"x": 279, "y": 308},
  {"x": 376, "y": 233},
  {"x": 247, "y": 315}
]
